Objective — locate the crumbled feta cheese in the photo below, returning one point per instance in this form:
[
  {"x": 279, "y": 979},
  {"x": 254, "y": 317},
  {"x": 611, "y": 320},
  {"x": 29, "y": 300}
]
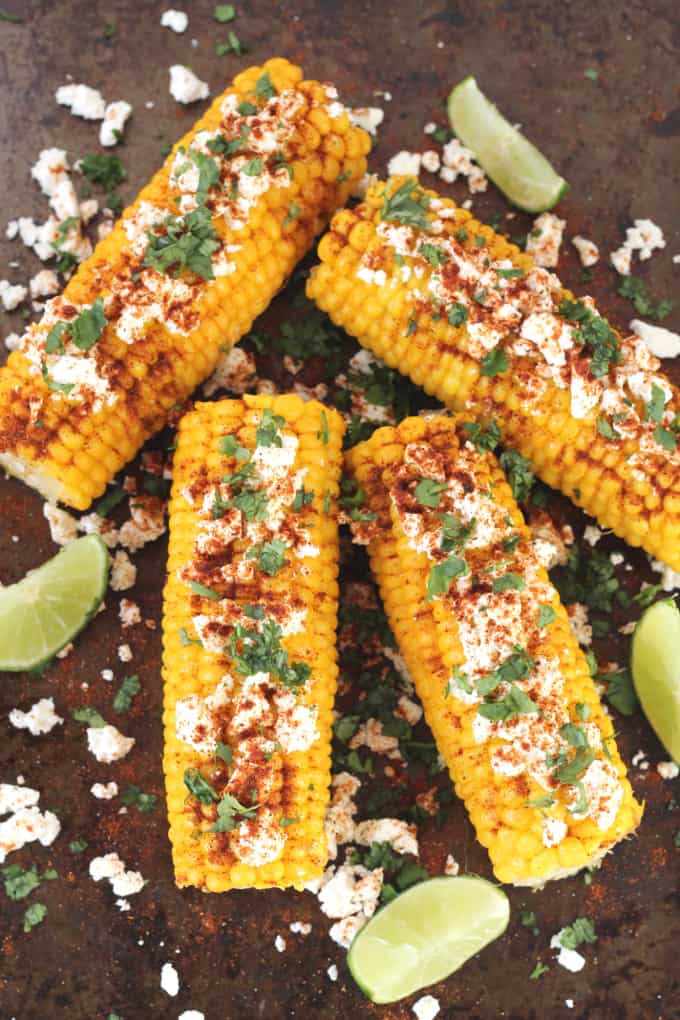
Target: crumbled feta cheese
[
  {"x": 63, "y": 527},
  {"x": 12, "y": 341},
  {"x": 367, "y": 117},
  {"x": 279, "y": 944},
  {"x": 430, "y": 128},
  {"x": 451, "y": 867},
  {"x": 660, "y": 342},
  {"x": 549, "y": 544},
  {"x": 123, "y": 572},
  {"x": 588, "y": 252},
  {"x": 191, "y": 1014},
  {"x": 544, "y": 240},
  {"x": 408, "y": 710},
  {"x": 15, "y": 798},
  {"x": 341, "y": 812},
  {"x": 107, "y": 674},
  {"x": 147, "y": 524},
  {"x": 407, "y": 163},
  {"x": 668, "y": 770},
  {"x": 578, "y": 621},
  {"x": 333, "y": 972},
  {"x": 108, "y": 744},
  {"x": 175, "y": 20},
  {"x": 185, "y": 87},
  {"x": 110, "y": 866},
  {"x": 426, "y": 1008},
  {"x": 567, "y": 958},
  {"x": 124, "y": 653},
  {"x": 11, "y": 295},
  {"x": 644, "y": 237},
  {"x": 129, "y": 613},
  {"x": 300, "y": 928},
  {"x": 371, "y": 735},
  {"x": 430, "y": 161},
  {"x": 670, "y": 579},
  {"x": 169, "y": 979},
  {"x": 400, "y": 835},
  {"x": 104, "y": 791},
  {"x": 116, "y": 116},
  {"x": 40, "y": 718},
  {"x": 44, "y": 284},
  {"x": 236, "y": 371},
  {"x": 82, "y": 101},
  {"x": 25, "y": 826},
  {"x": 592, "y": 534}
]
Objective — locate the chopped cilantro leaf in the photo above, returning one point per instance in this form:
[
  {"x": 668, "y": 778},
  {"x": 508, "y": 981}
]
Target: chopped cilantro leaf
[
  {"x": 517, "y": 666},
  {"x": 77, "y": 846},
  {"x": 443, "y": 574},
  {"x": 230, "y": 447},
  {"x": 224, "y": 13},
  {"x": 254, "y": 651},
  {"x": 187, "y": 244},
  {"x": 457, "y": 314},
  {"x": 513, "y": 704},
  {"x": 20, "y": 883},
  {"x": 510, "y": 274},
  {"x": 90, "y": 716},
  {"x": 247, "y": 109},
  {"x": 134, "y": 797},
  {"x": 126, "y": 693},
  {"x": 574, "y": 735},
  {"x": 654, "y": 409},
  {"x": 606, "y": 429},
  {"x": 201, "y": 589},
  {"x": 572, "y": 770},
  {"x": 264, "y": 87},
  {"x": 518, "y": 470},
  {"x": 407, "y": 205},
  {"x": 595, "y": 333},
  {"x": 199, "y": 787},
  {"x": 100, "y": 168},
  {"x": 576, "y": 934},
  {"x": 588, "y": 577},
  {"x": 268, "y": 430},
  {"x": 428, "y": 491},
  {"x": 665, "y": 438},
  {"x": 508, "y": 582},
  {"x": 527, "y": 918},
  {"x": 538, "y": 971},
  {"x": 229, "y": 146},
  {"x": 232, "y": 45},
  {"x": 294, "y": 211},
  {"x": 485, "y": 439},
  {"x": 620, "y": 692},
  {"x": 270, "y": 556},
  {"x": 283, "y": 821},
  {"x": 546, "y": 615},
  {"x": 635, "y": 289},
  {"x": 254, "y": 167},
  {"x": 494, "y": 363},
  {"x": 432, "y": 254},
  {"x": 224, "y": 752},
  {"x": 230, "y": 813},
  {"x": 303, "y": 497},
  {"x": 324, "y": 434},
  {"x": 34, "y": 915}
]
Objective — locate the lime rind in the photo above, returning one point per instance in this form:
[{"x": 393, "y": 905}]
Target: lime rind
[
  {"x": 40, "y": 614},
  {"x": 655, "y": 665},
  {"x": 425, "y": 935},
  {"x": 512, "y": 162}
]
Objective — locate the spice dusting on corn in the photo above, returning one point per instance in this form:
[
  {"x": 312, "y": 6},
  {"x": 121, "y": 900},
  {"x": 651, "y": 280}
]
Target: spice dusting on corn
[
  {"x": 506, "y": 689},
  {"x": 473, "y": 320},
  {"x": 180, "y": 278},
  {"x": 251, "y": 601}
]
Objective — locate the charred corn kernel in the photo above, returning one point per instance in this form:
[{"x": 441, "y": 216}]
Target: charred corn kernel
[
  {"x": 470, "y": 318},
  {"x": 143, "y": 322},
  {"x": 506, "y": 689},
  {"x": 249, "y": 662}
]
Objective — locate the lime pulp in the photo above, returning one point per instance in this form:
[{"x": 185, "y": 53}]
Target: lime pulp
[
  {"x": 516, "y": 166},
  {"x": 426, "y": 934},
  {"x": 44, "y": 611},
  {"x": 655, "y": 665}
]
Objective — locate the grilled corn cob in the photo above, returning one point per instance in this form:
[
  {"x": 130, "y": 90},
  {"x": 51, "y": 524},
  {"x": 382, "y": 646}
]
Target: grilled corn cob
[
  {"x": 469, "y": 317},
  {"x": 180, "y": 278},
  {"x": 249, "y": 661},
  {"x": 506, "y": 689}
]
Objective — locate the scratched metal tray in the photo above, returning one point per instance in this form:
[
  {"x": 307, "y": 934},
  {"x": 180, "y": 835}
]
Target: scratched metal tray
[{"x": 616, "y": 141}]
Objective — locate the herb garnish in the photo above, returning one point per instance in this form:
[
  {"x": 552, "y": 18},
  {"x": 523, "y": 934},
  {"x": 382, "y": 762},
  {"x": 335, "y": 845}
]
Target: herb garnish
[
  {"x": 126, "y": 693},
  {"x": 187, "y": 244},
  {"x": 270, "y": 556},
  {"x": 254, "y": 651},
  {"x": 494, "y": 363},
  {"x": 595, "y": 333},
  {"x": 408, "y": 205}
]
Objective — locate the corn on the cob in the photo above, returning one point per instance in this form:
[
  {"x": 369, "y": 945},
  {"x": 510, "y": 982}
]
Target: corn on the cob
[
  {"x": 506, "y": 689},
  {"x": 469, "y": 317},
  {"x": 249, "y": 662},
  {"x": 181, "y": 277}
]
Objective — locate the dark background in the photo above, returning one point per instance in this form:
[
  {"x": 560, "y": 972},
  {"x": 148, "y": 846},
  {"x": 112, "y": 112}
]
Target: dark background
[{"x": 616, "y": 141}]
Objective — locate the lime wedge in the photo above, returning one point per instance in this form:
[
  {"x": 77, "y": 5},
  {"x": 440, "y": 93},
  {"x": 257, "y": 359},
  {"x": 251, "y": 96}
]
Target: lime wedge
[
  {"x": 516, "y": 166},
  {"x": 426, "y": 934},
  {"x": 42, "y": 613},
  {"x": 655, "y": 665}
]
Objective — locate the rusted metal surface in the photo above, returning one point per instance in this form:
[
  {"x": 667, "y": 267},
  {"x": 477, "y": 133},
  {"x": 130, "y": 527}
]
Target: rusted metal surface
[{"x": 616, "y": 141}]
